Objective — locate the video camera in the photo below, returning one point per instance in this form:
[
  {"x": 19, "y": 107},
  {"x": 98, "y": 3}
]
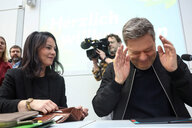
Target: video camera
[{"x": 101, "y": 44}]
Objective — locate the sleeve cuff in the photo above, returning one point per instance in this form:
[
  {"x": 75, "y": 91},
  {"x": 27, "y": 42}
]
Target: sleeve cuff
[
  {"x": 178, "y": 73},
  {"x": 116, "y": 86}
]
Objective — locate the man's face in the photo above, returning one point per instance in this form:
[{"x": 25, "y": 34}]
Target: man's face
[
  {"x": 142, "y": 51},
  {"x": 15, "y": 54},
  {"x": 113, "y": 45}
]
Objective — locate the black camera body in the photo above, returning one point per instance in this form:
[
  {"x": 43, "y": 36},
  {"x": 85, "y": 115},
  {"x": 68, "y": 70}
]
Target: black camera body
[{"x": 101, "y": 44}]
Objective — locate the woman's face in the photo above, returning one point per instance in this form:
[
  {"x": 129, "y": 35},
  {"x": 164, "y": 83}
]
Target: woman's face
[
  {"x": 47, "y": 53},
  {"x": 2, "y": 46}
]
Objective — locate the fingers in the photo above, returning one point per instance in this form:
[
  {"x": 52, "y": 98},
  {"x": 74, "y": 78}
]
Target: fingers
[
  {"x": 119, "y": 52},
  {"x": 165, "y": 41},
  {"x": 121, "y": 55},
  {"x": 50, "y": 106},
  {"x": 44, "y": 111},
  {"x": 125, "y": 51},
  {"x": 168, "y": 46},
  {"x": 85, "y": 112},
  {"x": 79, "y": 107},
  {"x": 99, "y": 50},
  {"x": 121, "y": 61},
  {"x": 127, "y": 60},
  {"x": 44, "y": 106},
  {"x": 101, "y": 53},
  {"x": 169, "y": 49},
  {"x": 53, "y": 106},
  {"x": 160, "y": 50}
]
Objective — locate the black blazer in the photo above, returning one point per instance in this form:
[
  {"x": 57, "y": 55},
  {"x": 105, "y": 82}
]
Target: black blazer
[{"x": 16, "y": 87}]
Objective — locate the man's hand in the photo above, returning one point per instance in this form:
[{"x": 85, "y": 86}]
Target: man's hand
[
  {"x": 95, "y": 65},
  {"x": 95, "y": 60},
  {"x": 121, "y": 65},
  {"x": 168, "y": 58},
  {"x": 101, "y": 53}
]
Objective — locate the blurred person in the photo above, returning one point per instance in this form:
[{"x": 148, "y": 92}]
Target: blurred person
[
  {"x": 144, "y": 83},
  {"x": 15, "y": 53},
  {"x": 37, "y": 85},
  {"x": 99, "y": 67},
  {"x": 4, "y": 64}
]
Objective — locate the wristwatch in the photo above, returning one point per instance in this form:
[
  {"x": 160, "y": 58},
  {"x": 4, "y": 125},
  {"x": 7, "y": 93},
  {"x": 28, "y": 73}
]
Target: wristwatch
[{"x": 28, "y": 104}]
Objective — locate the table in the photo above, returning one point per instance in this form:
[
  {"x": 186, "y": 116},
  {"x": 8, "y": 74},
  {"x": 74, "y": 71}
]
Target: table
[{"x": 117, "y": 124}]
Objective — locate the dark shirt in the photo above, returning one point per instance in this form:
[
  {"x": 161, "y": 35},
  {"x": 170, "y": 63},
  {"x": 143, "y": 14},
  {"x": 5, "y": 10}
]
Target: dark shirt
[
  {"x": 41, "y": 88},
  {"x": 147, "y": 98}
]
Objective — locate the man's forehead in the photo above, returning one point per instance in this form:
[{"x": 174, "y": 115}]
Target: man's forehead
[
  {"x": 139, "y": 48},
  {"x": 112, "y": 38},
  {"x": 15, "y": 49}
]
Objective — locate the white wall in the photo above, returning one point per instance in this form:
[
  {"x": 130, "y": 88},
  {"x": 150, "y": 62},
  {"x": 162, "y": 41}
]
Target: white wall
[
  {"x": 31, "y": 19},
  {"x": 186, "y": 9},
  {"x": 9, "y": 12},
  {"x": 80, "y": 91},
  {"x": 80, "y": 88}
]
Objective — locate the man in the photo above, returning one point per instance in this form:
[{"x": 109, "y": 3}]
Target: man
[
  {"x": 15, "y": 53},
  {"x": 144, "y": 83},
  {"x": 99, "y": 69}
]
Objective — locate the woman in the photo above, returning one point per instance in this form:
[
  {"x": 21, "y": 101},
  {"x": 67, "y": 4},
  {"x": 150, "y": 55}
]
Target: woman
[
  {"x": 37, "y": 85},
  {"x": 4, "y": 64}
]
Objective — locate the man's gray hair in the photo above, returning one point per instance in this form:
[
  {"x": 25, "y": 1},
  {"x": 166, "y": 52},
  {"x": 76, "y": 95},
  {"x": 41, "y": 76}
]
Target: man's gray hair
[{"x": 136, "y": 28}]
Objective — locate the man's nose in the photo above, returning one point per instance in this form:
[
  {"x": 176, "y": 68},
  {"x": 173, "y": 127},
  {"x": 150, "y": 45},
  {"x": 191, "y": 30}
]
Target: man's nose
[{"x": 143, "y": 56}]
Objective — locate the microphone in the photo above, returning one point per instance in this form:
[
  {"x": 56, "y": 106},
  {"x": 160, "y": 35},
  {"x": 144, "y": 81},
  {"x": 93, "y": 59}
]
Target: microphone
[
  {"x": 187, "y": 57},
  {"x": 86, "y": 44}
]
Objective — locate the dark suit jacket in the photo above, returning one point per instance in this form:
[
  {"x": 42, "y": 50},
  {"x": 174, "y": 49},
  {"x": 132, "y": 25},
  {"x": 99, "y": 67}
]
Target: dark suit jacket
[
  {"x": 113, "y": 97},
  {"x": 16, "y": 87}
]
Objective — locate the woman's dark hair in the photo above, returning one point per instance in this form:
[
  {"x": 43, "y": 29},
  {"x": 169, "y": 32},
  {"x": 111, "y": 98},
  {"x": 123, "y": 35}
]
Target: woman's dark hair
[{"x": 31, "y": 63}]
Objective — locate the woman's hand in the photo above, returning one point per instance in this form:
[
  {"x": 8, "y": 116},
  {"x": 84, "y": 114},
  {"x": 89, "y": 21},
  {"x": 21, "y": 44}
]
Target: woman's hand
[
  {"x": 84, "y": 110},
  {"x": 44, "y": 106}
]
